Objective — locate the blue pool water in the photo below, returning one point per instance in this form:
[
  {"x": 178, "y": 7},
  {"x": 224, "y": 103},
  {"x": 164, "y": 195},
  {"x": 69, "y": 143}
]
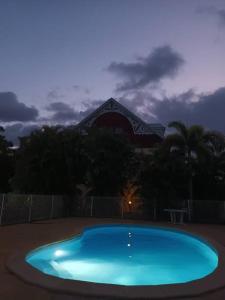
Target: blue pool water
[{"x": 127, "y": 255}]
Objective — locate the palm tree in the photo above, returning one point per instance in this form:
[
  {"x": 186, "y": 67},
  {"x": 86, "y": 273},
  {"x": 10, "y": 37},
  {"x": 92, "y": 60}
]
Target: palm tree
[
  {"x": 189, "y": 142},
  {"x": 84, "y": 190},
  {"x": 216, "y": 146}
]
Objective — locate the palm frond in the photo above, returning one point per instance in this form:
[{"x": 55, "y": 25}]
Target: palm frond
[
  {"x": 195, "y": 136},
  {"x": 216, "y": 141},
  {"x": 174, "y": 140},
  {"x": 180, "y": 127},
  {"x": 196, "y": 130}
]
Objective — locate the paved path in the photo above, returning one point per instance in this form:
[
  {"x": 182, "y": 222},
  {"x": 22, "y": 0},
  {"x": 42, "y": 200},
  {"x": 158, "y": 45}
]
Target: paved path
[{"x": 29, "y": 236}]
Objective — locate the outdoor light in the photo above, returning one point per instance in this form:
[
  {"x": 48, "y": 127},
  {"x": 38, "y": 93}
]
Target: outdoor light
[
  {"x": 59, "y": 252},
  {"x": 129, "y": 202}
]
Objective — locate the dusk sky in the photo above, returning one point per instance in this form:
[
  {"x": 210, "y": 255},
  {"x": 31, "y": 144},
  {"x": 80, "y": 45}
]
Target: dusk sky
[{"x": 163, "y": 59}]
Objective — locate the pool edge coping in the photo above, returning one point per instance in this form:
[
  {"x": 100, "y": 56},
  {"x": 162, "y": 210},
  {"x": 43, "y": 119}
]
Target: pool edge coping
[{"x": 17, "y": 265}]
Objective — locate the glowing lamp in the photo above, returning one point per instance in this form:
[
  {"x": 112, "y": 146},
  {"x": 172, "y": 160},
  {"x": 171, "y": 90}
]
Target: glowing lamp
[{"x": 59, "y": 253}]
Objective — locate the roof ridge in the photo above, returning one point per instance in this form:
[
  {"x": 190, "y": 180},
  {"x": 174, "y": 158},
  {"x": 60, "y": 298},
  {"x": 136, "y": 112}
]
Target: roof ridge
[{"x": 130, "y": 114}]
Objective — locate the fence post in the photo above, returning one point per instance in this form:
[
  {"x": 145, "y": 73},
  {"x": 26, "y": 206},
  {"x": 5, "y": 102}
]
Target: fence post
[
  {"x": 223, "y": 211},
  {"x": 2, "y": 208},
  {"x": 121, "y": 201},
  {"x": 52, "y": 207},
  {"x": 30, "y": 208},
  {"x": 92, "y": 200},
  {"x": 154, "y": 210},
  {"x": 190, "y": 210}
]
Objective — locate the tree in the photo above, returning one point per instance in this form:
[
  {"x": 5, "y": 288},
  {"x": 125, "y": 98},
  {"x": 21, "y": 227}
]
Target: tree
[
  {"x": 76, "y": 159},
  {"x": 110, "y": 161},
  {"x": 57, "y": 160},
  {"x": 163, "y": 180},
  {"x": 190, "y": 143},
  {"x": 6, "y": 162},
  {"x": 40, "y": 167},
  {"x": 210, "y": 173},
  {"x": 84, "y": 190},
  {"x": 130, "y": 199}
]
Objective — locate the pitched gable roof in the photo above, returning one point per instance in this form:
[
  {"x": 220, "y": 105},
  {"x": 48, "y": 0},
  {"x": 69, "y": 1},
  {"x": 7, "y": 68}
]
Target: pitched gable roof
[{"x": 139, "y": 126}]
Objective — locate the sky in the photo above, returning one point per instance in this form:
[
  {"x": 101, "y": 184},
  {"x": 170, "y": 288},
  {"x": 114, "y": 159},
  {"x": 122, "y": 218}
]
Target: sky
[{"x": 162, "y": 59}]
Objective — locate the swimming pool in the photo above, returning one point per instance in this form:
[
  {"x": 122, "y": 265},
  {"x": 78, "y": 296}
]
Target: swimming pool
[{"x": 127, "y": 255}]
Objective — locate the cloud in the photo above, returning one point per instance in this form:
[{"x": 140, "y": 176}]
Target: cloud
[
  {"x": 209, "y": 110},
  {"x": 64, "y": 113},
  {"x": 12, "y": 132},
  {"x": 188, "y": 107},
  {"x": 55, "y": 94},
  {"x": 93, "y": 104},
  {"x": 162, "y": 62},
  {"x": 13, "y": 110},
  {"x": 60, "y": 113},
  {"x": 76, "y": 87},
  {"x": 79, "y": 88},
  {"x": 221, "y": 15},
  {"x": 214, "y": 11}
]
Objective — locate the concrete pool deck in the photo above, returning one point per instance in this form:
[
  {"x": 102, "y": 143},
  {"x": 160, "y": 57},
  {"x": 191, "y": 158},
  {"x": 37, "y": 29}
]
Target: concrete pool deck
[{"x": 24, "y": 237}]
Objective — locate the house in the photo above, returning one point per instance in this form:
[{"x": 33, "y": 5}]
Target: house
[{"x": 114, "y": 116}]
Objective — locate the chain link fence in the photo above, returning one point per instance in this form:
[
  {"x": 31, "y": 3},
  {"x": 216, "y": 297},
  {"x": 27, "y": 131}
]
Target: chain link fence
[
  {"x": 199, "y": 211},
  {"x": 110, "y": 207},
  {"x": 17, "y": 208},
  {"x": 206, "y": 211}
]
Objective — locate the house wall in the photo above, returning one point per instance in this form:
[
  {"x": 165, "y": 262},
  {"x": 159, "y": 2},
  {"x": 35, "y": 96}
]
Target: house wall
[{"x": 121, "y": 125}]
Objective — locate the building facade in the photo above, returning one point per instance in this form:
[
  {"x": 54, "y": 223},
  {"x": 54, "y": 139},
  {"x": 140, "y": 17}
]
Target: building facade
[{"x": 118, "y": 119}]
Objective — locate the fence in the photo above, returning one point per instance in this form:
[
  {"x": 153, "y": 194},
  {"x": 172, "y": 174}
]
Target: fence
[
  {"x": 16, "y": 208},
  {"x": 110, "y": 207},
  {"x": 202, "y": 211},
  {"x": 209, "y": 211}
]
